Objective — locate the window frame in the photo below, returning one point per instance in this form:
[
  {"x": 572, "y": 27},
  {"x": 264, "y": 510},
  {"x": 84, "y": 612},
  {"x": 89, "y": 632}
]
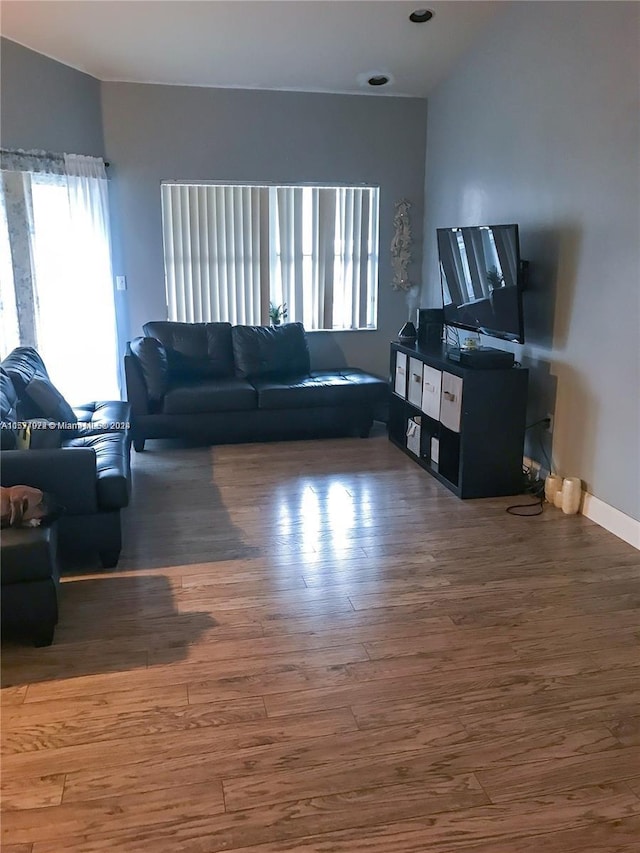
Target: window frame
[{"x": 371, "y": 261}]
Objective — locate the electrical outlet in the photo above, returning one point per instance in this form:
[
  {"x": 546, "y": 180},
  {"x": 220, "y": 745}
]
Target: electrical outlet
[
  {"x": 550, "y": 424},
  {"x": 533, "y": 466}
]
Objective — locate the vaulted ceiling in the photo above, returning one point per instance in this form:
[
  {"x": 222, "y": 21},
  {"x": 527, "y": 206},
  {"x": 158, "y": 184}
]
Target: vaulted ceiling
[{"x": 328, "y": 46}]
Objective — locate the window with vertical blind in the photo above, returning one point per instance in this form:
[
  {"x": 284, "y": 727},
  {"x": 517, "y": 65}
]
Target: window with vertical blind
[{"x": 231, "y": 249}]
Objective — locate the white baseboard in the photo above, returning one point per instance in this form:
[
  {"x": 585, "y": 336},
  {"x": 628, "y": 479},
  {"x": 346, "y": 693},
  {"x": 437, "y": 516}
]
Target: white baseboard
[
  {"x": 612, "y": 519},
  {"x": 616, "y": 522}
]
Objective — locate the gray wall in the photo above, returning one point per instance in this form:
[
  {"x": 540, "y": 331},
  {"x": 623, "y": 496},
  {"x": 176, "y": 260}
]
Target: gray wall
[
  {"x": 539, "y": 125},
  {"x": 46, "y": 105},
  {"x": 173, "y": 132}
]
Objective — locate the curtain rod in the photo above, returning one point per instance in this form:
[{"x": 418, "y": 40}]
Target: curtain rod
[{"x": 52, "y": 155}]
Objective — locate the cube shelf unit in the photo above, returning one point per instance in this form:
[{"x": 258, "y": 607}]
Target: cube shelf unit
[{"x": 472, "y": 422}]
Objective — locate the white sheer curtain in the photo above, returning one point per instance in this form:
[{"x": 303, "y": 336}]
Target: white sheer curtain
[
  {"x": 76, "y": 323},
  {"x": 232, "y": 249},
  {"x": 9, "y": 328},
  {"x": 58, "y": 232},
  {"x": 212, "y": 245}
]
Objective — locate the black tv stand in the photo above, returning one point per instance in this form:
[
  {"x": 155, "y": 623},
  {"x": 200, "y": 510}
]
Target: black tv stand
[
  {"x": 482, "y": 358},
  {"x": 465, "y": 426}
]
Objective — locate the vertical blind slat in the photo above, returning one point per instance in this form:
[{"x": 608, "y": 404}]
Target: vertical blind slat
[
  {"x": 372, "y": 265},
  {"x": 298, "y": 263},
  {"x": 361, "y": 302}
]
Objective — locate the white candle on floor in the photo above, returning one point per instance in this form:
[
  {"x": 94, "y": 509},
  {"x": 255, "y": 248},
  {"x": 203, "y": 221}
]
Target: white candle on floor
[
  {"x": 571, "y": 494},
  {"x": 552, "y": 485}
]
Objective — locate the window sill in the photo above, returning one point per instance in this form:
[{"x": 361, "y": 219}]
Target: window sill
[{"x": 340, "y": 331}]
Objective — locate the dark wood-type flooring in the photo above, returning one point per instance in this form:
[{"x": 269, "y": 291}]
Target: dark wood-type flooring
[{"x": 314, "y": 647}]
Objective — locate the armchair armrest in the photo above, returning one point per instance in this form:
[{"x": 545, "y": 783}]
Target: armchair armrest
[{"x": 69, "y": 474}]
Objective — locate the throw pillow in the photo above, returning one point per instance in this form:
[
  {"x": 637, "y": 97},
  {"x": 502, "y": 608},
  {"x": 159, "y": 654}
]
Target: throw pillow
[{"x": 49, "y": 401}]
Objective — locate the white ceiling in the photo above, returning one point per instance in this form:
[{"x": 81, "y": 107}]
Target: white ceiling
[{"x": 300, "y": 45}]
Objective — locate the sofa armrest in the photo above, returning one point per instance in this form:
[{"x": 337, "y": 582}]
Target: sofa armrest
[
  {"x": 113, "y": 472},
  {"x": 69, "y": 474},
  {"x": 137, "y": 393}
]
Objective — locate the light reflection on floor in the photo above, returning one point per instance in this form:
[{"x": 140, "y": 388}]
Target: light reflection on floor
[{"x": 322, "y": 516}]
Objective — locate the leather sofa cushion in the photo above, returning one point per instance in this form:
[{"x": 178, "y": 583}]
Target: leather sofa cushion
[
  {"x": 68, "y": 475},
  {"x": 214, "y": 395},
  {"x": 194, "y": 350},
  {"x": 112, "y": 466},
  {"x": 321, "y": 388},
  {"x": 45, "y": 434},
  {"x": 21, "y": 365},
  {"x": 28, "y": 554},
  {"x": 154, "y": 362},
  {"x": 37, "y": 397},
  {"x": 49, "y": 401},
  {"x": 8, "y": 416},
  {"x": 102, "y": 416},
  {"x": 270, "y": 351},
  {"x": 357, "y": 377}
]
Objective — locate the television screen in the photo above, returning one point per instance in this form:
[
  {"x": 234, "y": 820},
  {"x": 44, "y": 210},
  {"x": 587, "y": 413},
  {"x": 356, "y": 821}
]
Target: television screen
[{"x": 480, "y": 277}]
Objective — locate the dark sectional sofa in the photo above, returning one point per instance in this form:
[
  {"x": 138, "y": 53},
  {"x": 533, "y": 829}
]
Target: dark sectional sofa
[
  {"x": 84, "y": 465},
  {"x": 224, "y": 383}
]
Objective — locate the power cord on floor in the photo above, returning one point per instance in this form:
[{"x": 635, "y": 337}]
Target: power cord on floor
[
  {"x": 532, "y": 485},
  {"x": 535, "y": 488}
]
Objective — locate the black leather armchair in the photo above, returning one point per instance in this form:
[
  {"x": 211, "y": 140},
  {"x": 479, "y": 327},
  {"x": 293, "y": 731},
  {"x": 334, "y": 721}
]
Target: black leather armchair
[
  {"x": 30, "y": 583},
  {"x": 88, "y": 473}
]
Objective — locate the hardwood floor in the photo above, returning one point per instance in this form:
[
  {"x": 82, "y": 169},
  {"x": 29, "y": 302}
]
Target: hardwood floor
[{"x": 314, "y": 647}]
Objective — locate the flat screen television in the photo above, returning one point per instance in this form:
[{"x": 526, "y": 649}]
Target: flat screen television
[{"x": 480, "y": 274}]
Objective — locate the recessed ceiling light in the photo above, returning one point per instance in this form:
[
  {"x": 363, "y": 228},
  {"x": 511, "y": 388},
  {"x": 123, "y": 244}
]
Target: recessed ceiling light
[
  {"x": 375, "y": 78},
  {"x": 420, "y": 16}
]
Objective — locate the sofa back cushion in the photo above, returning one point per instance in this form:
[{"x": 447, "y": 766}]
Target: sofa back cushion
[
  {"x": 194, "y": 350},
  {"x": 49, "y": 401},
  {"x": 152, "y": 357},
  {"x": 8, "y": 415},
  {"x": 37, "y": 396},
  {"x": 21, "y": 365},
  {"x": 270, "y": 350}
]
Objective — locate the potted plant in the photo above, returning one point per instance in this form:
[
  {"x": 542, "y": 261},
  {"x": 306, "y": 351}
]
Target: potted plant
[
  {"x": 277, "y": 313},
  {"x": 495, "y": 280}
]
